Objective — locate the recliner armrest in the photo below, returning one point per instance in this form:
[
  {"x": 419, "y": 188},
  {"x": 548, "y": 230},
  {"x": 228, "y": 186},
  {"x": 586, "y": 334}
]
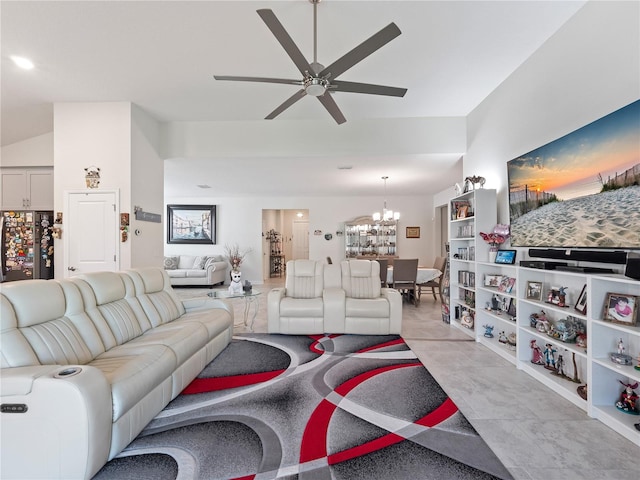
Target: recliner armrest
[
  {"x": 65, "y": 431},
  {"x": 395, "y": 309},
  {"x": 274, "y": 298},
  {"x": 334, "y": 300}
]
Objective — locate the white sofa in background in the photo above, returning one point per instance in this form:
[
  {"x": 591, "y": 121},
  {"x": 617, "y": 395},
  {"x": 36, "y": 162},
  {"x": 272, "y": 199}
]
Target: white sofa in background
[
  {"x": 195, "y": 270},
  {"x": 88, "y": 361},
  {"x": 346, "y": 298}
]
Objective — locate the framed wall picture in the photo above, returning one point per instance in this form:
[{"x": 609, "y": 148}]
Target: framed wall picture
[
  {"x": 191, "y": 224},
  {"x": 581, "y": 304},
  {"x": 413, "y": 232},
  {"x": 534, "y": 291},
  {"x": 621, "y": 308}
]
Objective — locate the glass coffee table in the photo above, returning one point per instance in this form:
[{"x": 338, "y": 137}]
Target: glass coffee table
[{"x": 250, "y": 298}]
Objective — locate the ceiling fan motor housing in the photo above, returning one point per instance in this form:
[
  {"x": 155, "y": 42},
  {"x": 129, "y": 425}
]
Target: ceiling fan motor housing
[{"x": 315, "y": 86}]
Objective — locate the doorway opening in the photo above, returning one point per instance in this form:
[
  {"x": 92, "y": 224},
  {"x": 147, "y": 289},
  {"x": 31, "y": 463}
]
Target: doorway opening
[{"x": 286, "y": 237}]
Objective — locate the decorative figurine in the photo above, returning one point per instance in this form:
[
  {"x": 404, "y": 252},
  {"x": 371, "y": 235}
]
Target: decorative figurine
[
  {"x": 564, "y": 330},
  {"x": 247, "y": 287},
  {"x": 502, "y": 337},
  {"x": 495, "y": 303},
  {"x": 562, "y": 296},
  {"x": 549, "y": 357},
  {"x": 466, "y": 320},
  {"x": 511, "y": 340},
  {"x": 488, "y": 331},
  {"x": 620, "y": 357},
  {"x": 560, "y": 366},
  {"x": 536, "y": 353},
  {"x": 560, "y": 370},
  {"x": 582, "y": 391},
  {"x": 235, "y": 286},
  {"x": 628, "y": 399}
]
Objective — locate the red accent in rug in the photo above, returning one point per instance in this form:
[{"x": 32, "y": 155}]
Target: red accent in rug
[{"x": 201, "y": 385}]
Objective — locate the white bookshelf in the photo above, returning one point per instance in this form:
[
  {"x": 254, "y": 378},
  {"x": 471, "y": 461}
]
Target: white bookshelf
[{"x": 466, "y": 247}]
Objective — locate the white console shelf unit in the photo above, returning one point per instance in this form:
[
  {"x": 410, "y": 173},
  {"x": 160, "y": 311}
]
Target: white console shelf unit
[{"x": 473, "y": 288}]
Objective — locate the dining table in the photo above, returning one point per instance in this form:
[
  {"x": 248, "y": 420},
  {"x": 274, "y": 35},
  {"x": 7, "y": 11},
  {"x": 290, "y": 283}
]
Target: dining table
[{"x": 424, "y": 274}]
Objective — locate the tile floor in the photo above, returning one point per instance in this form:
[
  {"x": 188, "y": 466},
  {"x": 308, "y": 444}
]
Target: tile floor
[{"x": 535, "y": 432}]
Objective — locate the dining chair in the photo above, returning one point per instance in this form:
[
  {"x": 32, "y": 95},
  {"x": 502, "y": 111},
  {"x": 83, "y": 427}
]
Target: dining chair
[
  {"x": 405, "y": 271},
  {"x": 384, "y": 266},
  {"x": 435, "y": 283}
]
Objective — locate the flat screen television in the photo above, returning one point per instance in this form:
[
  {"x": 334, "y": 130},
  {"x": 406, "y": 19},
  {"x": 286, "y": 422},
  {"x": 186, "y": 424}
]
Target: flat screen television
[{"x": 581, "y": 190}]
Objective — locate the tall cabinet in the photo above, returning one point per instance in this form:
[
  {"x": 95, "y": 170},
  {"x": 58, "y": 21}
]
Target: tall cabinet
[
  {"x": 276, "y": 257},
  {"x": 368, "y": 239},
  {"x": 470, "y": 213}
]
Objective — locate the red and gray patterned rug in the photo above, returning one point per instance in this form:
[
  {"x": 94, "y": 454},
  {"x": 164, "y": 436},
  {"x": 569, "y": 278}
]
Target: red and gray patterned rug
[{"x": 310, "y": 407}]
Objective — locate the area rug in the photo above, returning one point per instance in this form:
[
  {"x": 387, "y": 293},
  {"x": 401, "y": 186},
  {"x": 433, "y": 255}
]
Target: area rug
[{"x": 341, "y": 407}]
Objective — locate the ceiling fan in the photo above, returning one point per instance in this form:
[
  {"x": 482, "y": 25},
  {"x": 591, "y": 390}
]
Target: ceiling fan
[{"x": 317, "y": 80}]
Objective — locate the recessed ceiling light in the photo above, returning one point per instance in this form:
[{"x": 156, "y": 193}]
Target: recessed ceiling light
[
  {"x": 203, "y": 186},
  {"x": 22, "y": 62},
  {"x": 345, "y": 167}
]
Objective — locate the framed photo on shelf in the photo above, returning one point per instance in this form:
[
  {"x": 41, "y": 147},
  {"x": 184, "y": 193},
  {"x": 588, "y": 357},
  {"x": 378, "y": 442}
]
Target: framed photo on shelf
[
  {"x": 581, "y": 303},
  {"x": 191, "y": 224},
  {"x": 534, "y": 291},
  {"x": 491, "y": 280},
  {"x": 413, "y": 232},
  {"x": 621, "y": 308}
]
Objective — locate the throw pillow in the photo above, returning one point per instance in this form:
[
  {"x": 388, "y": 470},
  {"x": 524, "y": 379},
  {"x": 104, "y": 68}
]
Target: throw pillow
[
  {"x": 209, "y": 261},
  {"x": 198, "y": 263},
  {"x": 170, "y": 263}
]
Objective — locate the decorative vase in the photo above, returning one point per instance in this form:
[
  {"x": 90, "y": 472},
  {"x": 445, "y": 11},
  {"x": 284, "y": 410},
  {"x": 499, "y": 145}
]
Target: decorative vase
[{"x": 492, "y": 254}]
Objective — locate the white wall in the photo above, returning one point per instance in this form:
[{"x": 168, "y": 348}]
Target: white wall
[
  {"x": 91, "y": 134},
  {"x": 240, "y": 221},
  {"x": 33, "y": 152},
  {"x": 400, "y": 136},
  {"x": 147, "y": 191},
  {"x": 588, "y": 69}
]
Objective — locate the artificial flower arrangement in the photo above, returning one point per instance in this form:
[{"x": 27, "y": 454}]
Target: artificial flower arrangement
[
  {"x": 235, "y": 255},
  {"x": 497, "y": 236}
]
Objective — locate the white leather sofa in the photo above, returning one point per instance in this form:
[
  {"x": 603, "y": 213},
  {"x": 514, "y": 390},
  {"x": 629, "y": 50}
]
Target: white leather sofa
[
  {"x": 87, "y": 362},
  {"x": 194, "y": 270},
  {"x": 347, "y": 298}
]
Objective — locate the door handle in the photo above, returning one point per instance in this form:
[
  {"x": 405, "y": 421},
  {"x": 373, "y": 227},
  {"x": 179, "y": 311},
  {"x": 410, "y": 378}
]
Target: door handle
[{"x": 71, "y": 269}]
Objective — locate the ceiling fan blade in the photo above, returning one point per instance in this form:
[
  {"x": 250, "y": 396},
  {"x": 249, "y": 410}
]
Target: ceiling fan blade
[
  {"x": 369, "y": 88},
  {"x": 362, "y": 51},
  {"x": 258, "y": 79},
  {"x": 332, "y": 107},
  {"x": 287, "y": 103},
  {"x": 285, "y": 40}
]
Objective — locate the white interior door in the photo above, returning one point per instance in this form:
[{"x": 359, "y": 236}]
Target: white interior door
[
  {"x": 300, "y": 244},
  {"x": 91, "y": 232}
]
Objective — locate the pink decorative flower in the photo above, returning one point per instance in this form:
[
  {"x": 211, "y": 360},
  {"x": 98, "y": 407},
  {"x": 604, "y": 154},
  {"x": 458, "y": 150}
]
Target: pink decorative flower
[{"x": 495, "y": 239}]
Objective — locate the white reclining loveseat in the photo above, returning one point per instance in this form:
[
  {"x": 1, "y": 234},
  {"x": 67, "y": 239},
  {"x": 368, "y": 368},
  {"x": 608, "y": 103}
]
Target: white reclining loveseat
[
  {"x": 347, "y": 298},
  {"x": 87, "y": 362}
]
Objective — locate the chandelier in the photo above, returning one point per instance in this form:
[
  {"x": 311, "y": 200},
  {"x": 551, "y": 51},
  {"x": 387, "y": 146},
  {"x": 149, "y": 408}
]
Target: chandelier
[{"x": 386, "y": 214}]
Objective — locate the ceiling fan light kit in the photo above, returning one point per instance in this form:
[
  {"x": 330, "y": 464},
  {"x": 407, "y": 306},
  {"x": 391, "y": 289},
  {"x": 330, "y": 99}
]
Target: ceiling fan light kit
[{"x": 317, "y": 80}]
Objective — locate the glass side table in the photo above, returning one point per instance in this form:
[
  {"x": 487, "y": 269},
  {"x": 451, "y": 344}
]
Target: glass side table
[{"x": 250, "y": 298}]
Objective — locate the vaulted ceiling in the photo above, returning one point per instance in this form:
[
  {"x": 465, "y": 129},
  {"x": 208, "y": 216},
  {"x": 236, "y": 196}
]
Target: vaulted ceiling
[{"x": 162, "y": 56}]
